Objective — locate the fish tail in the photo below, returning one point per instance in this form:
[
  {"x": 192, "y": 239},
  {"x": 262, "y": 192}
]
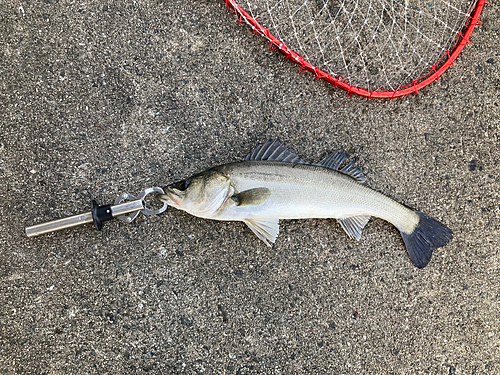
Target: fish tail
[{"x": 427, "y": 235}]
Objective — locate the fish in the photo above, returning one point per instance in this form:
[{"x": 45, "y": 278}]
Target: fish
[{"x": 272, "y": 183}]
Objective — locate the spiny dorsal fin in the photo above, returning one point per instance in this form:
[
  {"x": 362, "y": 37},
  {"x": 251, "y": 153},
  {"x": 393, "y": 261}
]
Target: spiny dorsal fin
[
  {"x": 266, "y": 229},
  {"x": 276, "y": 151},
  {"x": 354, "y": 225},
  {"x": 252, "y": 197},
  {"x": 335, "y": 160}
]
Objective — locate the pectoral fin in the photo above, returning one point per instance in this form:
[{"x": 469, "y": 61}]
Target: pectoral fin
[
  {"x": 252, "y": 197},
  {"x": 266, "y": 229},
  {"x": 354, "y": 225}
]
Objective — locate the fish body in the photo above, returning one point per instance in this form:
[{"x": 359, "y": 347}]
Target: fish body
[
  {"x": 303, "y": 191},
  {"x": 273, "y": 184}
]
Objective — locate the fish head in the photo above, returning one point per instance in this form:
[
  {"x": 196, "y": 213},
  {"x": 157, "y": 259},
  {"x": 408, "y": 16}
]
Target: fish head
[{"x": 200, "y": 195}]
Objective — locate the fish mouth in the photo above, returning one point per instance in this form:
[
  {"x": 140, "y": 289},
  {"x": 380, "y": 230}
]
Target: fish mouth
[
  {"x": 170, "y": 198},
  {"x": 164, "y": 198}
]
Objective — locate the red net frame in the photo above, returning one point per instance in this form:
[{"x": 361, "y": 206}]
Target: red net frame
[{"x": 338, "y": 81}]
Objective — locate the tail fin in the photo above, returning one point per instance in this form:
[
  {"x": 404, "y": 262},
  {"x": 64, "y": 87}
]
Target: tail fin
[{"x": 427, "y": 235}]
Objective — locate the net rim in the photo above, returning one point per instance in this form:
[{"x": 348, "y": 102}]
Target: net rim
[{"x": 444, "y": 62}]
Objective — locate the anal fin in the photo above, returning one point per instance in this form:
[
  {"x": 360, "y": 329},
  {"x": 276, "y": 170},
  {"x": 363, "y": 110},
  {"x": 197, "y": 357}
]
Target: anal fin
[
  {"x": 354, "y": 225},
  {"x": 266, "y": 229}
]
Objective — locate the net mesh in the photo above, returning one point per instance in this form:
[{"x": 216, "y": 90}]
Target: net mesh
[{"x": 374, "y": 44}]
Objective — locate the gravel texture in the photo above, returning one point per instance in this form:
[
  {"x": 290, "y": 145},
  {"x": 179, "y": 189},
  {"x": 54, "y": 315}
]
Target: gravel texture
[{"x": 100, "y": 97}]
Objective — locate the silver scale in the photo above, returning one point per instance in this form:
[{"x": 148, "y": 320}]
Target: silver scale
[{"x": 125, "y": 208}]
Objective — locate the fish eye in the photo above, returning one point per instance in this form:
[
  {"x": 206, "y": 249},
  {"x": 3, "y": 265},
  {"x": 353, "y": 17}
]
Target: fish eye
[{"x": 183, "y": 185}]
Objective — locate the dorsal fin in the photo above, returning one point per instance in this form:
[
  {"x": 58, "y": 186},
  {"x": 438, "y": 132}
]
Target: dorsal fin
[
  {"x": 355, "y": 172},
  {"x": 335, "y": 160},
  {"x": 276, "y": 151}
]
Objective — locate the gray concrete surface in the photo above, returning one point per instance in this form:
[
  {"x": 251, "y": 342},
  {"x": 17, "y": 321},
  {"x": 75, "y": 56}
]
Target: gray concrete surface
[{"x": 105, "y": 97}]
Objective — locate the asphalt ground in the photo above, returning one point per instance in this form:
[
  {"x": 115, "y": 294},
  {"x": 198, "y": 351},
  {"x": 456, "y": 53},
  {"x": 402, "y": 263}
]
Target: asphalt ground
[{"x": 100, "y": 98}]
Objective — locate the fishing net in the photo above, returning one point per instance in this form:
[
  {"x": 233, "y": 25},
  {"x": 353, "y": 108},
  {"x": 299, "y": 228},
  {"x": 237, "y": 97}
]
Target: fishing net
[{"x": 375, "y": 48}]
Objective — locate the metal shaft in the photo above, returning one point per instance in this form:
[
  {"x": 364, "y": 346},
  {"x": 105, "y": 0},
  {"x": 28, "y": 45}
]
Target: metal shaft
[{"x": 51, "y": 226}]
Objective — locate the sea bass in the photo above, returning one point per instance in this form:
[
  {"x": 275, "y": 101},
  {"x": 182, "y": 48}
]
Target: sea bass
[{"x": 273, "y": 183}]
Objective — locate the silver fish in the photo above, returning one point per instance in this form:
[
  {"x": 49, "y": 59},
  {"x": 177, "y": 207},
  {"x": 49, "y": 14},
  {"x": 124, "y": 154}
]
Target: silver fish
[{"x": 273, "y": 183}]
